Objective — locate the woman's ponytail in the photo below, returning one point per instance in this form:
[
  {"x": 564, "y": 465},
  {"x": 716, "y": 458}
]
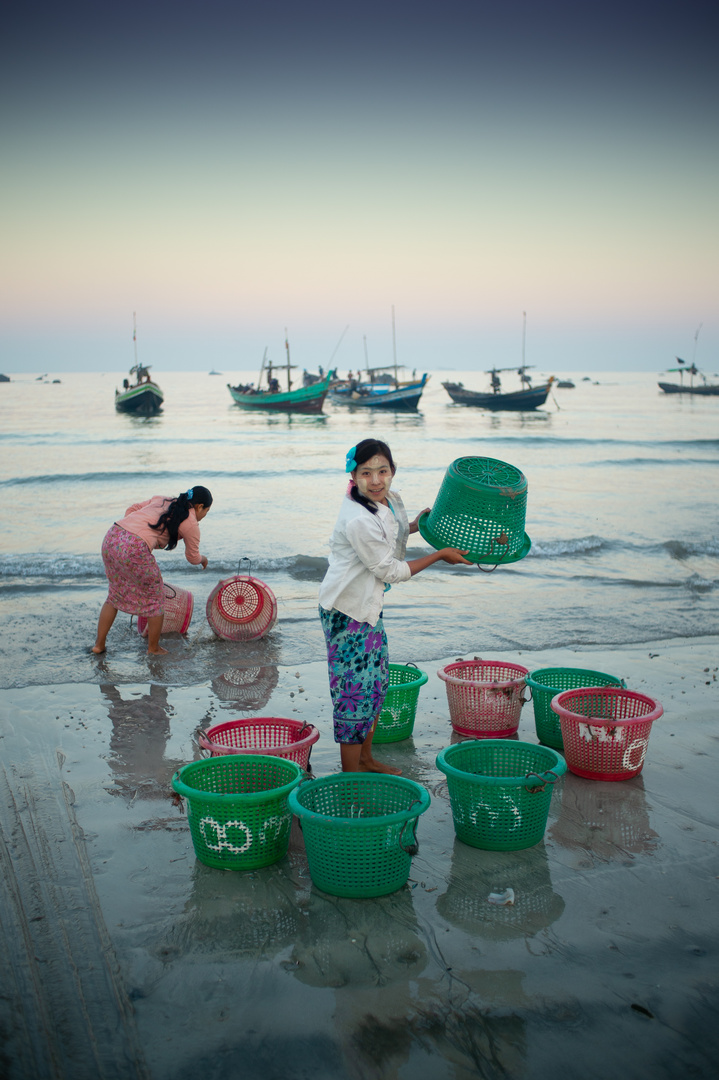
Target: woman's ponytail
[{"x": 179, "y": 510}]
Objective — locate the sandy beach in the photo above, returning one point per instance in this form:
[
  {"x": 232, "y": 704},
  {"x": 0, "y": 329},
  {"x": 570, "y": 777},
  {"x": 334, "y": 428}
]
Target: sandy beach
[{"x": 125, "y": 957}]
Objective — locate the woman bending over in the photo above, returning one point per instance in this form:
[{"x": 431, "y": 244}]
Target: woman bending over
[{"x": 135, "y": 582}]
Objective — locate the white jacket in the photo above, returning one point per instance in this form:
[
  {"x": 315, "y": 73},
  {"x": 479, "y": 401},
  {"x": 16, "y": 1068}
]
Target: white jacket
[{"x": 366, "y": 552}]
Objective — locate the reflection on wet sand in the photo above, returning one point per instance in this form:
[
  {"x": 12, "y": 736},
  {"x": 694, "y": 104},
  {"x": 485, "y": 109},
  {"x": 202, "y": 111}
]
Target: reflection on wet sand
[
  {"x": 140, "y": 733},
  {"x": 604, "y": 820},
  {"x": 474, "y": 874},
  {"x": 247, "y": 687}
]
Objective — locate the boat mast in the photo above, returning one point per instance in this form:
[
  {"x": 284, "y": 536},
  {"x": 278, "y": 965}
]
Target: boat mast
[
  {"x": 394, "y": 349},
  {"x": 524, "y": 335},
  {"x": 134, "y": 334},
  {"x": 262, "y": 368},
  {"x": 287, "y": 347}
]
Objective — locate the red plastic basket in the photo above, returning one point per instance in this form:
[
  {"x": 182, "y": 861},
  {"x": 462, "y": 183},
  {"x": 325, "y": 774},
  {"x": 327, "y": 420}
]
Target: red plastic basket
[
  {"x": 241, "y": 608},
  {"x": 178, "y": 611},
  {"x": 484, "y": 696},
  {"x": 605, "y": 730},
  {"x": 289, "y": 739}
]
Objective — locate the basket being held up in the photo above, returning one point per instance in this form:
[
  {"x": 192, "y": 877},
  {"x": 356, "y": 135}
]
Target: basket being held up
[{"x": 241, "y": 607}]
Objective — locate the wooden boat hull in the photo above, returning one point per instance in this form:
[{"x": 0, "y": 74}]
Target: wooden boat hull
[
  {"x": 307, "y": 399},
  {"x": 372, "y": 396},
  {"x": 145, "y": 399},
  {"x": 517, "y": 401},
  {"x": 702, "y": 391}
]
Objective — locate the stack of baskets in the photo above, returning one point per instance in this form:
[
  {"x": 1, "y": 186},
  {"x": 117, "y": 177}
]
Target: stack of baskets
[{"x": 484, "y": 696}]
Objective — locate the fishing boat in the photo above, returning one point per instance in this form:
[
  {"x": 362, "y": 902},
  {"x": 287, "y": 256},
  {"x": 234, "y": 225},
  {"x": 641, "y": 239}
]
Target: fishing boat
[
  {"x": 528, "y": 397},
  {"x": 380, "y": 391},
  {"x": 139, "y": 394},
  {"x": 703, "y": 389},
  {"x": 268, "y": 395},
  {"x": 380, "y": 387}
]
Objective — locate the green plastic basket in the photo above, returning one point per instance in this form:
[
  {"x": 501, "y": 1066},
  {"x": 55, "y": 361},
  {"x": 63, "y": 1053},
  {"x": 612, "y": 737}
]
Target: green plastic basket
[
  {"x": 396, "y": 720},
  {"x": 359, "y": 831},
  {"x": 480, "y": 508},
  {"x": 546, "y": 683},
  {"x": 500, "y": 791},
  {"x": 237, "y": 808}
]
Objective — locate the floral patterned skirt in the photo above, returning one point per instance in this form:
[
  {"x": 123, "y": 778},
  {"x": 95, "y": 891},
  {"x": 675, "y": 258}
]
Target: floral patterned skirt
[
  {"x": 358, "y": 665},
  {"x": 134, "y": 578}
]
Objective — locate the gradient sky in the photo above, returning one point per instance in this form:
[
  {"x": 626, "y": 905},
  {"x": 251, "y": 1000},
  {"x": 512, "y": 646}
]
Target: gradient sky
[{"x": 229, "y": 169}]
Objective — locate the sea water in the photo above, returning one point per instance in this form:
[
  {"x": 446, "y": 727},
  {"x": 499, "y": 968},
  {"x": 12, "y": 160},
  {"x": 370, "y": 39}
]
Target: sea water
[{"x": 621, "y": 512}]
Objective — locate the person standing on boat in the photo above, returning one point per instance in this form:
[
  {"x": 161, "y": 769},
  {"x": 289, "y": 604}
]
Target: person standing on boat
[
  {"x": 135, "y": 581},
  {"x": 367, "y": 557}
]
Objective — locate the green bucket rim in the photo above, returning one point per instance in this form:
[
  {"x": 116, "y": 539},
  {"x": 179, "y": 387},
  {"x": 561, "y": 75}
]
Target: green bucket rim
[
  {"x": 557, "y": 769},
  {"x": 333, "y": 821},
  {"x": 246, "y": 798},
  {"x": 531, "y": 681},
  {"x": 514, "y": 479},
  {"x": 411, "y": 684},
  {"x": 473, "y": 556}
]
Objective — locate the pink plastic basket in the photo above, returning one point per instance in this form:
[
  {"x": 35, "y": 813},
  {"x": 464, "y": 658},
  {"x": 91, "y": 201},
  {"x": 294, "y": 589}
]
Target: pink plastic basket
[
  {"x": 484, "y": 696},
  {"x": 178, "y": 611},
  {"x": 289, "y": 739},
  {"x": 241, "y": 608},
  {"x": 605, "y": 730}
]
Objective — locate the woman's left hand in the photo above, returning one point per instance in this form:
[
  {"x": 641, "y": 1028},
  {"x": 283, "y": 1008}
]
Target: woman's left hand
[
  {"x": 414, "y": 525},
  {"x": 204, "y": 562}
]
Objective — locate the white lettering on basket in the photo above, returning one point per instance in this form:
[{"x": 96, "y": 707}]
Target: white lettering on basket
[
  {"x": 601, "y": 733},
  {"x": 221, "y": 835},
  {"x": 633, "y": 757}
]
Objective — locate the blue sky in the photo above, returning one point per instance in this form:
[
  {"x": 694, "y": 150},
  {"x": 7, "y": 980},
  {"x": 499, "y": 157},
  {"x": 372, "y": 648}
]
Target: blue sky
[{"x": 229, "y": 170}]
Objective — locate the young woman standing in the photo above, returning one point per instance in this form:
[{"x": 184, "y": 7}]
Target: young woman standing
[{"x": 367, "y": 557}]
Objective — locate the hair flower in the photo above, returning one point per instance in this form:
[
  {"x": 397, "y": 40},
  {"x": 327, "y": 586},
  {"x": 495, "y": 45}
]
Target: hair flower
[
  {"x": 190, "y": 493},
  {"x": 350, "y": 463}
]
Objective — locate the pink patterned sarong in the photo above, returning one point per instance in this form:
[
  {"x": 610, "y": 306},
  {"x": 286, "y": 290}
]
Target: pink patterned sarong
[{"x": 135, "y": 581}]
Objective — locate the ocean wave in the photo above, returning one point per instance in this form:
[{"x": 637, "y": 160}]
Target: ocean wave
[
  {"x": 581, "y": 545},
  {"x": 686, "y": 549}
]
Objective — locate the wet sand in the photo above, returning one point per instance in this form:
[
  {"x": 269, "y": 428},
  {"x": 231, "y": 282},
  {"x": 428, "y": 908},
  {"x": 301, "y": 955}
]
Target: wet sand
[{"x": 122, "y": 956}]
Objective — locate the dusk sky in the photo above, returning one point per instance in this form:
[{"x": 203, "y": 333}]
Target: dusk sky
[{"x": 228, "y": 170}]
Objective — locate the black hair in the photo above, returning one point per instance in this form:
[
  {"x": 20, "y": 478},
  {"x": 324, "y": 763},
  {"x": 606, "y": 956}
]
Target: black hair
[
  {"x": 365, "y": 450},
  {"x": 179, "y": 510}
]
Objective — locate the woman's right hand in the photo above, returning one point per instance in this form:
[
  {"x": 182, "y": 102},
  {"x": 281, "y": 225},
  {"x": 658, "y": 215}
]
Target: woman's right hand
[
  {"x": 204, "y": 562},
  {"x": 454, "y": 556}
]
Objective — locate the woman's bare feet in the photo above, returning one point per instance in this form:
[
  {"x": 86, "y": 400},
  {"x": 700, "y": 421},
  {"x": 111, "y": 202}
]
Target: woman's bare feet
[
  {"x": 159, "y": 651},
  {"x": 371, "y": 764},
  {"x": 97, "y": 649}
]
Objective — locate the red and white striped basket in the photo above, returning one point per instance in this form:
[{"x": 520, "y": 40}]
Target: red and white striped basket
[
  {"x": 484, "y": 697},
  {"x": 178, "y": 611},
  {"x": 289, "y": 739}
]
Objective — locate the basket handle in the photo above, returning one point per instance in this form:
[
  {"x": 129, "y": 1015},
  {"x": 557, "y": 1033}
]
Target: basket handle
[
  {"x": 413, "y": 847},
  {"x": 549, "y": 777},
  {"x": 249, "y": 566},
  {"x": 497, "y": 540},
  {"x": 172, "y": 592}
]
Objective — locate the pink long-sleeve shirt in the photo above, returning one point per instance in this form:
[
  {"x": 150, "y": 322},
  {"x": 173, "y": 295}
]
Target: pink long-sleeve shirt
[{"x": 140, "y": 516}]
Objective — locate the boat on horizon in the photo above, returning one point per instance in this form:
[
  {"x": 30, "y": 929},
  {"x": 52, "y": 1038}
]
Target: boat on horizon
[
  {"x": 382, "y": 388},
  {"x": 141, "y": 396},
  {"x": 495, "y": 399},
  {"x": 703, "y": 389},
  {"x": 268, "y": 395}
]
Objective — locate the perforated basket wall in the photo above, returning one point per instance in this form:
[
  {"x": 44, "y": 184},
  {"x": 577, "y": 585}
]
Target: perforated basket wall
[
  {"x": 484, "y": 697},
  {"x": 396, "y": 720},
  {"x": 359, "y": 831},
  {"x": 237, "y": 808},
  {"x": 605, "y": 730},
  {"x": 546, "y": 683},
  {"x": 241, "y": 608},
  {"x": 500, "y": 791},
  {"x": 481, "y": 508},
  {"x": 179, "y": 604},
  {"x": 289, "y": 739}
]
